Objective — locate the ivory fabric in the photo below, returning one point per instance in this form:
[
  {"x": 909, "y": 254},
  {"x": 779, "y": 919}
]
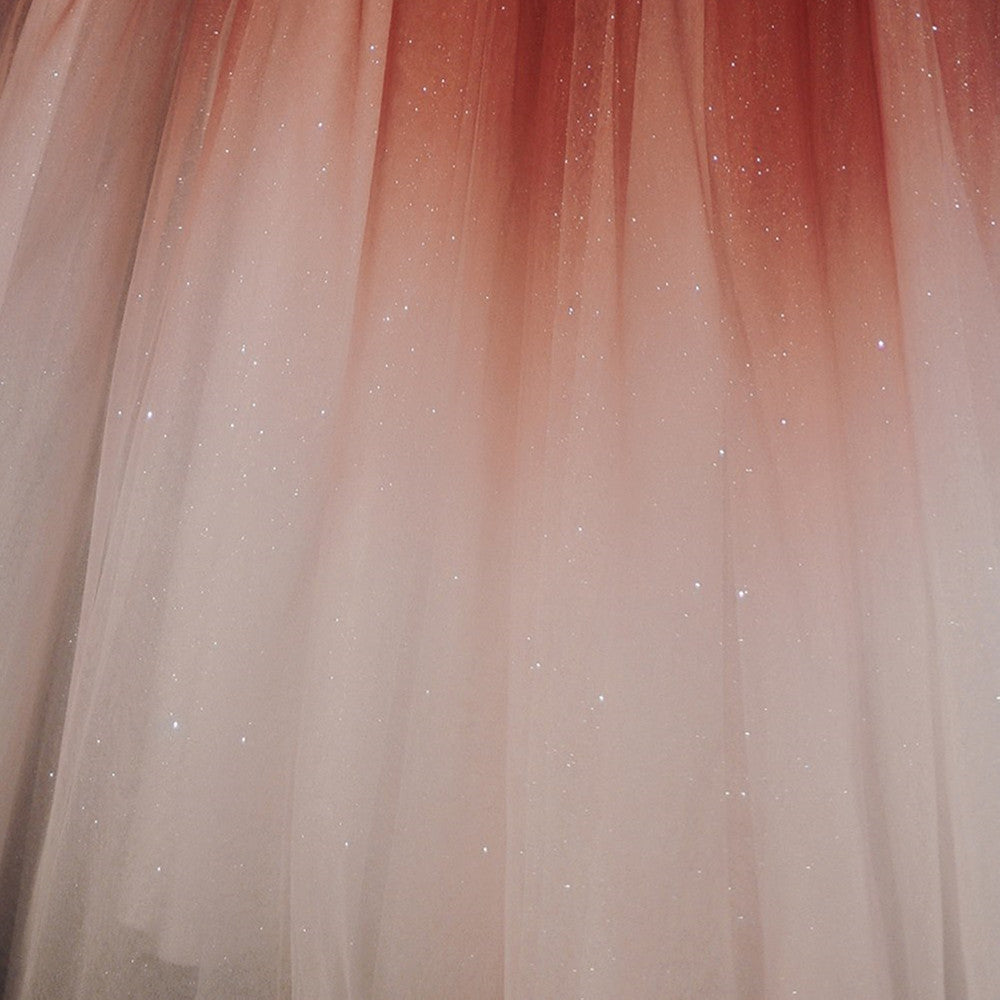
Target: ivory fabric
[{"x": 499, "y": 499}]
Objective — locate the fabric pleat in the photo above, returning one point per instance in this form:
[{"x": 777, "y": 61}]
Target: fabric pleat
[{"x": 499, "y": 499}]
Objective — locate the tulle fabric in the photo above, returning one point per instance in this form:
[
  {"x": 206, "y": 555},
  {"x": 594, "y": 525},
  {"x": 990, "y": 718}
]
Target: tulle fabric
[{"x": 499, "y": 499}]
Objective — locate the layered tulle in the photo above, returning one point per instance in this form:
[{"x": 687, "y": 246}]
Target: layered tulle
[{"x": 499, "y": 499}]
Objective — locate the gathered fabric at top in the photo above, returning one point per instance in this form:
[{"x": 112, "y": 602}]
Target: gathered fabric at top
[{"x": 499, "y": 499}]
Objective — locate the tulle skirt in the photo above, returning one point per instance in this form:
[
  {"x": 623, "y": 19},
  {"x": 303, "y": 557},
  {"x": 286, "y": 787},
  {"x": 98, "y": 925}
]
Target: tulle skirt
[{"x": 499, "y": 499}]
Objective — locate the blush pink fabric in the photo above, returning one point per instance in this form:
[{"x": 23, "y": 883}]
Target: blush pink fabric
[{"x": 499, "y": 499}]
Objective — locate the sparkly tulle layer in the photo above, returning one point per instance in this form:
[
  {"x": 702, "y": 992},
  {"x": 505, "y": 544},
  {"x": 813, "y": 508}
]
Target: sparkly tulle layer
[{"x": 499, "y": 499}]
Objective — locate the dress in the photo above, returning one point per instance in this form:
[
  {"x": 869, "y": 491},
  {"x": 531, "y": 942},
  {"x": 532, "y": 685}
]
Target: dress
[{"x": 499, "y": 499}]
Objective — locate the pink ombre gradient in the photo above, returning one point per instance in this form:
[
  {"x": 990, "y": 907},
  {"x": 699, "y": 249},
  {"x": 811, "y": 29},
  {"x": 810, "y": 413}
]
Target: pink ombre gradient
[{"x": 499, "y": 500}]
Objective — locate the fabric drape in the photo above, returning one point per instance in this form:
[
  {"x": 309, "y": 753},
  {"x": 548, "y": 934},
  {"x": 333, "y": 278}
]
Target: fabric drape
[{"x": 499, "y": 499}]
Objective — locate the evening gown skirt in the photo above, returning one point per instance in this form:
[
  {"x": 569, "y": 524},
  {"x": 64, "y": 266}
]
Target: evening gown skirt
[{"x": 499, "y": 499}]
